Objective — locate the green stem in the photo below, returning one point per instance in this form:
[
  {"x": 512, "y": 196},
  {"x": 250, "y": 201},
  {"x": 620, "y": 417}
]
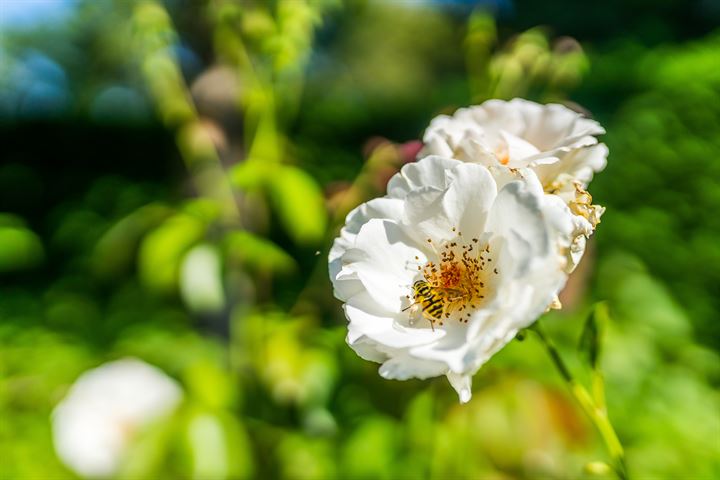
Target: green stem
[{"x": 597, "y": 413}]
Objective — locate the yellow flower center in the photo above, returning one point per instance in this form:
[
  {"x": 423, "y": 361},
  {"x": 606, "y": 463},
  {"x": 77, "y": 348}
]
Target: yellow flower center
[{"x": 456, "y": 284}]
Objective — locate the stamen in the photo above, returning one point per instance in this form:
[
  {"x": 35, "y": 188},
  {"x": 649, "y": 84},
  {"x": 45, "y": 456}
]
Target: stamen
[{"x": 454, "y": 285}]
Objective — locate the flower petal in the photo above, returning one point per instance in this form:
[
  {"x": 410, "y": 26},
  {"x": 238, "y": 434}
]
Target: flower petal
[
  {"x": 553, "y": 125},
  {"x": 517, "y": 216},
  {"x": 579, "y": 164},
  {"x": 462, "y": 207},
  {"x": 462, "y": 385},
  {"x": 517, "y": 148},
  {"x": 521, "y": 133},
  {"x": 404, "y": 367},
  {"x": 382, "y": 259},
  {"x": 386, "y": 331},
  {"x": 429, "y": 172},
  {"x": 347, "y": 286}
]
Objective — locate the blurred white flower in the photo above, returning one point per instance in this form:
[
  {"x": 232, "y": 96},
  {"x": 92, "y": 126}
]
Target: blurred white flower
[
  {"x": 105, "y": 408},
  {"x": 442, "y": 272},
  {"x": 558, "y": 144}
]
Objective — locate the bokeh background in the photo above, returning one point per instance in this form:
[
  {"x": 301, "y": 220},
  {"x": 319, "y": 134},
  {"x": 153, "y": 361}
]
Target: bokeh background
[{"x": 173, "y": 172}]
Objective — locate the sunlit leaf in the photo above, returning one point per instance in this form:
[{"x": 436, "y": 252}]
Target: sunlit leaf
[
  {"x": 20, "y": 249},
  {"x": 117, "y": 248},
  {"x": 257, "y": 253},
  {"x": 249, "y": 175},
  {"x": 299, "y": 203},
  {"x": 210, "y": 384},
  {"x": 162, "y": 250},
  {"x": 217, "y": 445},
  {"x": 148, "y": 451},
  {"x": 371, "y": 450},
  {"x": 305, "y": 458},
  {"x": 203, "y": 208}
]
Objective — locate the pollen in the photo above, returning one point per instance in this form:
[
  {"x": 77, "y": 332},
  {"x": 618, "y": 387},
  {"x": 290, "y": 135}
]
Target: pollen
[{"x": 456, "y": 280}]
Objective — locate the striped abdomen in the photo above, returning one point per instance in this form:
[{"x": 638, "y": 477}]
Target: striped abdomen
[{"x": 430, "y": 301}]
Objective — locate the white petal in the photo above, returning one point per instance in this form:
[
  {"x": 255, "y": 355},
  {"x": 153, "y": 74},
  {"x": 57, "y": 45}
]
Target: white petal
[
  {"x": 404, "y": 367},
  {"x": 386, "y": 331},
  {"x": 532, "y": 134},
  {"x": 435, "y": 144},
  {"x": 382, "y": 259},
  {"x": 462, "y": 385},
  {"x": 552, "y": 126},
  {"x": 425, "y": 214},
  {"x": 530, "y": 234},
  {"x": 469, "y": 198},
  {"x": 427, "y": 172},
  {"x": 451, "y": 350},
  {"x": 579, "y": 164},
  {"x": 367, "y": 349},
  {"x": 463, "y": 206},
  {"x": 517, "y": 148},
  {"x": 517, "y": 216},
  {"x": 496, "y": 115},
  {"x": 530, "y": 258},
  {"x": 348, "y": 285}
]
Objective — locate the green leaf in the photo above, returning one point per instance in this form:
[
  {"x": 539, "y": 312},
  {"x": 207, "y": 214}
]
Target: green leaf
[
  {"x": 302, "y": 457},
  {"x": 116, "y": 251},
  {"x": 590, "y": 345},
  {"x": 148, "y": 451},
  {"x": 203, "y": 208},
  {"x": 209, "y": 384},
  {"x": 256, "y": 253},
  {"x": 299, "y": 203},
  {"x": 218, "y": 446},
  {"x": 250, "y": 175},
  {"x": 371, "y": 450},
  {"x": 10, "y": 220},
  {"x": 163, "y": 249},
  {"x": 20, "y": 249}
]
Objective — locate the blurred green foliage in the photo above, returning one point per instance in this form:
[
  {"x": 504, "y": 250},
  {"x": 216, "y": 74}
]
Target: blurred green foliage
[
  {"x": 665, "y": 206},
  {"x": 21, "y": 247},
  {"x": 188, "y": 237}
]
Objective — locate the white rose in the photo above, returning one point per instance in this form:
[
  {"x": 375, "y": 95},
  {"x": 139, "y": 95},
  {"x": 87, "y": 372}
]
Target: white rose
[
  {"x": 558, "y": 144},
  {"x": 103, "y": 411},
  {"x": 491, "y": 251}
]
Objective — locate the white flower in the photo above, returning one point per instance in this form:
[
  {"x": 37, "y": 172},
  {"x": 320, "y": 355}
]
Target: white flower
[
  {"x": 489, "y": 253},
  {"x": 104, "y": 409},
  {"x": 559, "y": 145}
]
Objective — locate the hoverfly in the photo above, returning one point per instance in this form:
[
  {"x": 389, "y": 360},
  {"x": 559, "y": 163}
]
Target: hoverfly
[{"x": 435, "y": 303}]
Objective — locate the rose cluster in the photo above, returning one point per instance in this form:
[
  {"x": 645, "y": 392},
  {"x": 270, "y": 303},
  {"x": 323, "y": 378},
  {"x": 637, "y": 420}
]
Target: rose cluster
[{"x": 472, "y": 242}]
